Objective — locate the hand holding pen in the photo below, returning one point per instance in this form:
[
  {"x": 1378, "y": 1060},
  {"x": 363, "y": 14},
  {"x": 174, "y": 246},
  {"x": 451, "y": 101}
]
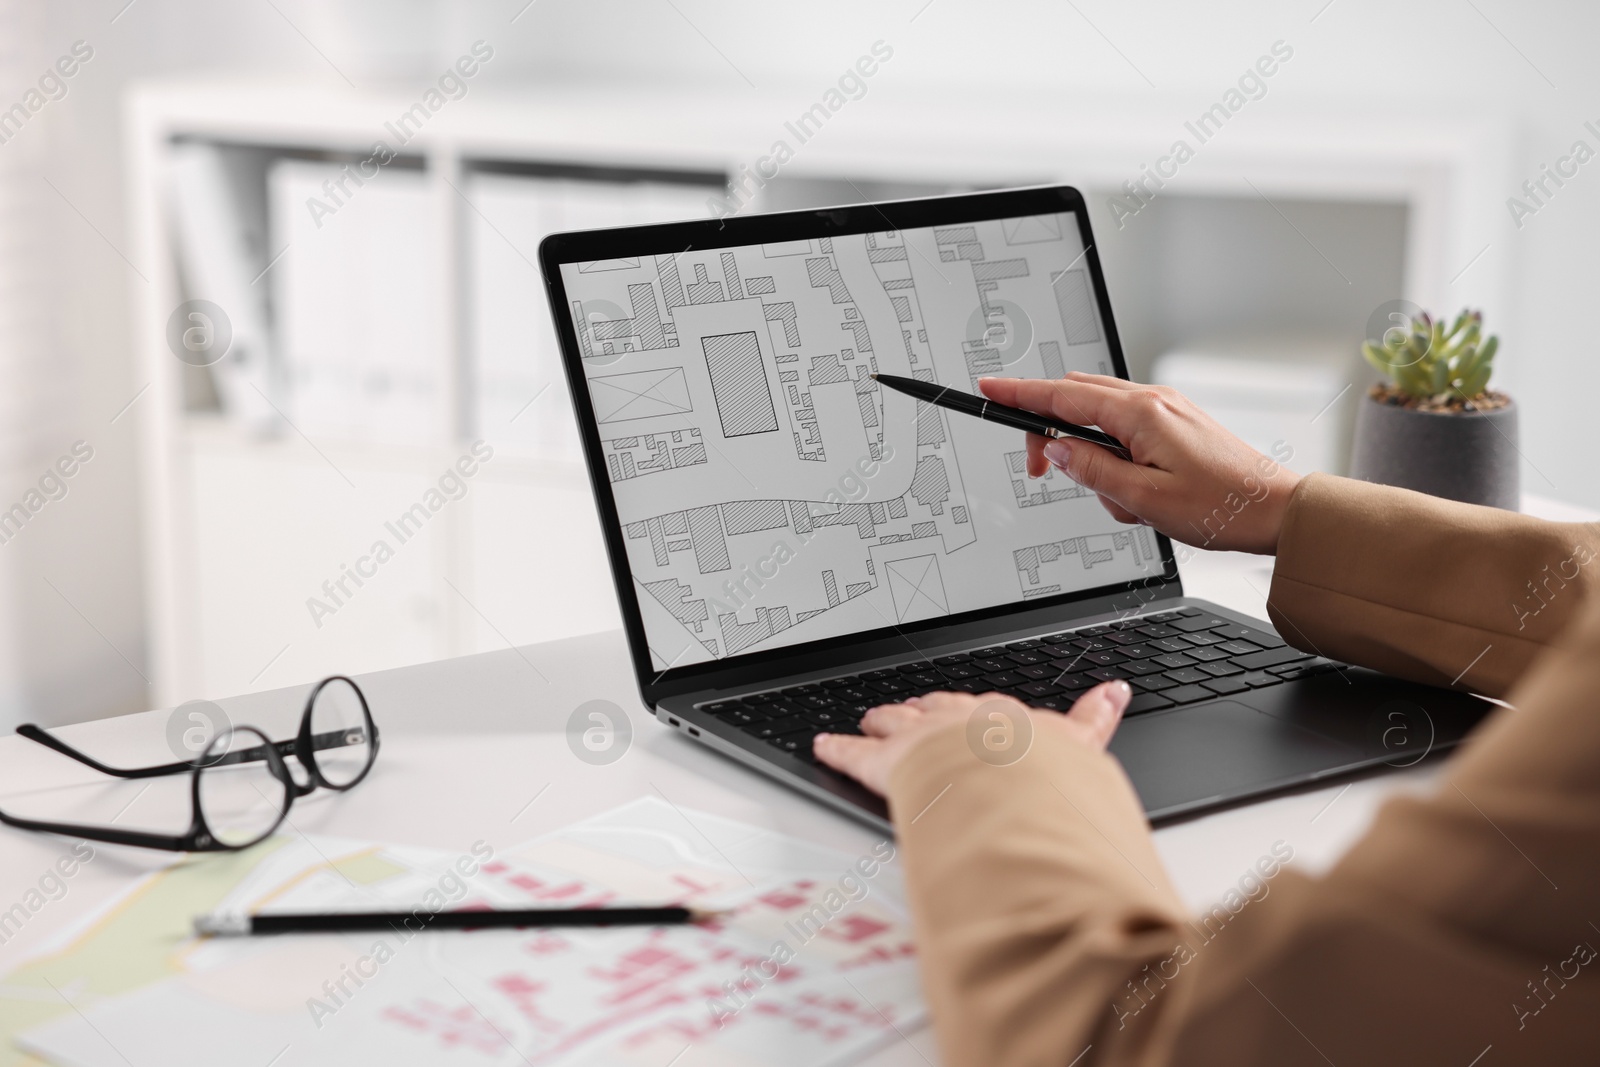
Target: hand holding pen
[{"x": 1185, "y": 466}]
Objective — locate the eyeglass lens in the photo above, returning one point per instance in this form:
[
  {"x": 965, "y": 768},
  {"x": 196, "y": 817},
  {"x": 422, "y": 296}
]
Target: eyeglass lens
[
  {"x": 241, "y": 802},
  {"x": 341, "y": 738}
]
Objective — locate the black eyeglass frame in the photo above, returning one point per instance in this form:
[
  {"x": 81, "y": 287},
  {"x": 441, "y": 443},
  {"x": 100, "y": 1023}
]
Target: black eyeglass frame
[{"x": 199, "y": 837}]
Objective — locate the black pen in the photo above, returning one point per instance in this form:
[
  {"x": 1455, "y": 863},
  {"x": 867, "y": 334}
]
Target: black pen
[
  {"x": 1016, "y": 418},
  {"x": 238, "y": 925}
]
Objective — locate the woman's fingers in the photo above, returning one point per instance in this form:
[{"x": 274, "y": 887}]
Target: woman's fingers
[
  {"x": 887, "y": 719},
  {"x": 856, "y": 756},
  {"x": 1099, "y": 710},
  {"x": 1097, "y": 469},
  {"x": 1086, "y": 402},
  {"x": 1117, "y": 511},
  {"x": 1037, "y": 463}
]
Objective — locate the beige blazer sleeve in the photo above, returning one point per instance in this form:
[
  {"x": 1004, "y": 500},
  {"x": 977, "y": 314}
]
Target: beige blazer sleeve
[
  {"x": 1050, "y": 934},
  {"x": 1423, "y": 588}
]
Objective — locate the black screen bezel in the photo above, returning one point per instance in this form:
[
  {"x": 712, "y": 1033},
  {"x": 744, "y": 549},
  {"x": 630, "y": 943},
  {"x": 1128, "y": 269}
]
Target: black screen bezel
[{"x": 712, "y": 233}]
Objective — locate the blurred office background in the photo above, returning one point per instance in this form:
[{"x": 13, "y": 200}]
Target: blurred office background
[{"x": 375, "y": 338}]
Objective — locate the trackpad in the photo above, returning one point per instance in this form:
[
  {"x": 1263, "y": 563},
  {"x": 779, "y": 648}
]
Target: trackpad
[{"x": 1219, "y": 750}]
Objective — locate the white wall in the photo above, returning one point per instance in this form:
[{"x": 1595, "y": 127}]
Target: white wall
[{"x": 1530, "y": 62}]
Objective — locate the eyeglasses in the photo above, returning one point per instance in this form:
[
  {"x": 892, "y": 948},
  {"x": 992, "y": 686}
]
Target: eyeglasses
[{"x": 242, "y": 786}]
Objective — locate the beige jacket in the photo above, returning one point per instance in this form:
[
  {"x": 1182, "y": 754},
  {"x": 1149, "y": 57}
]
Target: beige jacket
[{"x": 1462, "y": 922}]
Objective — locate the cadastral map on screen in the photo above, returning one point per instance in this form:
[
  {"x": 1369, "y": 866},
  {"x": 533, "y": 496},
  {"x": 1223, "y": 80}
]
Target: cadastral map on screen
[{"x": 771, "y": 493}]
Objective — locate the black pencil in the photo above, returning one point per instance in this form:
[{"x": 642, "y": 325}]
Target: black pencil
[
  {"x": 1016, "y": 418},
  {"x": 223, "y": 925}
]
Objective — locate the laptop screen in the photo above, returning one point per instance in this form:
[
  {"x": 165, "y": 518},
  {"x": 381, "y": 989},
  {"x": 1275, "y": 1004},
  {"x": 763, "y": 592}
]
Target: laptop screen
[{"x": 771, "y": 494}]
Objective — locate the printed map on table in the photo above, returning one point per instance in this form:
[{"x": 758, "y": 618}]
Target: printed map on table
[{"x": 813, "y": 965}]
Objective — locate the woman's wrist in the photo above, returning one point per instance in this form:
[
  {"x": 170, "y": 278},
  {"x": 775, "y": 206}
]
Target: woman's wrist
[{"x": 1280, "y": 493}]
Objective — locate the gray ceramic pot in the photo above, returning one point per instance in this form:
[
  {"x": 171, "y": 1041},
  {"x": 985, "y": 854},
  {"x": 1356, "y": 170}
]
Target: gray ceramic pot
[{"x": 1468, "y": 456}]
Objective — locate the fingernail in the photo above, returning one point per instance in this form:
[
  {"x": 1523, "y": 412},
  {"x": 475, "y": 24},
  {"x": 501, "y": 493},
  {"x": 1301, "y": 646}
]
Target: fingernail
[
  {"x": 1121, "y": 693},
  {"x": 1058, "y": 452}
]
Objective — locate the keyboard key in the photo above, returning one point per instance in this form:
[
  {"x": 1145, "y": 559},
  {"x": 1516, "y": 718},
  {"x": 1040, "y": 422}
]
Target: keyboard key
[
  {"x": 1040, "y": 689},
  {"x": 1038, "y": 673},
  {"x": 1237, "y": 648},
  {"x": 1062, "y": 649},
  {"x": 855, "y": 694},
  {"x": 837, "y": 683},
  {"x": 795, "y": 743},
  {"x": 1129, "y": 637},
  {"x": 959, "y": 671},
  {"x": 988, "y": 653},
  {"x": 1175, "y": 660},
  {"x": 889, "y": 685},
  {"x": 1139, "y": 651},
  {"x": 1168, "y": 644},
  {"x": 1162, "y": 616},
  {"x": 1225, "y": 685},
  {"x": 1094, "y": 644},
  {"x": 1188, "y": 611},
  {"x": 1305, "y": 670},
  {"x": 1143, "y": 702},
  {"x": 1108, "y": 674},
  {"x": 1206, "y": 655},
  {"x": 1028, "y": 659},
  {"x": 762, "y": 698},
  {"x": 817, "y": 700},
  {"x": 970, "y": 685},
  {"x": 925, "y": 681},
  {"x": 952, "y": 661},
  {"x": 1158, "y": 631},
  {"x": 1235, "y": 633},
  {"x": 1153, "y": 683},
  {"x": 879, "y": 675},
  {"x": 1023, "y": 646},
  {"x": 1005, "y": 680},
  {"x": 1102, "y": 659},
  {"x": 1187, "y": 694},
  {"x": 721, "y": 707},
  {"x": 1220, "y": 669},
  {"x": 1270, "y": 658},
  {"x": 989, "y": 666},
  {"x": 778, "y": 727},
  {"x": 1199, "y": 622},
  {"x": 1075, "y": 682},
  {"x": 1142, "y": 666},
  {"x": 1057, "y": 703},
  {"x": 1258, "y": 679},
  {"x": 1093, "y": 631},
  {"x": 1188, "y": 676},
  {"x": 1265, "y": 640},
  {"x": 1203, "y": 639},
  {"x": 744, "y": 717}
]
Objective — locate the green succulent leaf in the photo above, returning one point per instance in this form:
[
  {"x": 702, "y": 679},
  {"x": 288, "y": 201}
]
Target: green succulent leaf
[{"x": 1433, "y": 359}]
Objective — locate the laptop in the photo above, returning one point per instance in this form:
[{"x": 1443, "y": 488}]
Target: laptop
[{"x": 792, "y": 545}]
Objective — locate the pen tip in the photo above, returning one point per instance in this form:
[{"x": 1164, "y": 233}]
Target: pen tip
[{"x": 874, "y": 377}]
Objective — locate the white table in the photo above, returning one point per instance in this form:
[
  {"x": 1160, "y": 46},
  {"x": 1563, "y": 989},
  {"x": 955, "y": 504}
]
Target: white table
[{"x": 476, "y": 748}]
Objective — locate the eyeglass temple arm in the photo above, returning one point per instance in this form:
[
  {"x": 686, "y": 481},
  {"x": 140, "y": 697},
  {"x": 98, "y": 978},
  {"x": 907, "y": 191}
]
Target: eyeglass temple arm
[
  {"x": 110, "y": 834},
  {"x": 34, "y": 733}
]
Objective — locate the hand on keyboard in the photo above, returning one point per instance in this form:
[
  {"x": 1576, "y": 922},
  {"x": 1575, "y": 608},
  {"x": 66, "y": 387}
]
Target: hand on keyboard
[{"x": 889, "y": 731}]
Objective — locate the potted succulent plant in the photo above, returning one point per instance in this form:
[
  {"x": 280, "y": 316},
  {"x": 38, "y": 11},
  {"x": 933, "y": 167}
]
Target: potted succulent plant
[{"x": 1434, "y": 425}]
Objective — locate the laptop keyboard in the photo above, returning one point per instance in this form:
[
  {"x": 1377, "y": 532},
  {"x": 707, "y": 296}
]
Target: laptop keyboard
[{"x": 1170, "y": 658}]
